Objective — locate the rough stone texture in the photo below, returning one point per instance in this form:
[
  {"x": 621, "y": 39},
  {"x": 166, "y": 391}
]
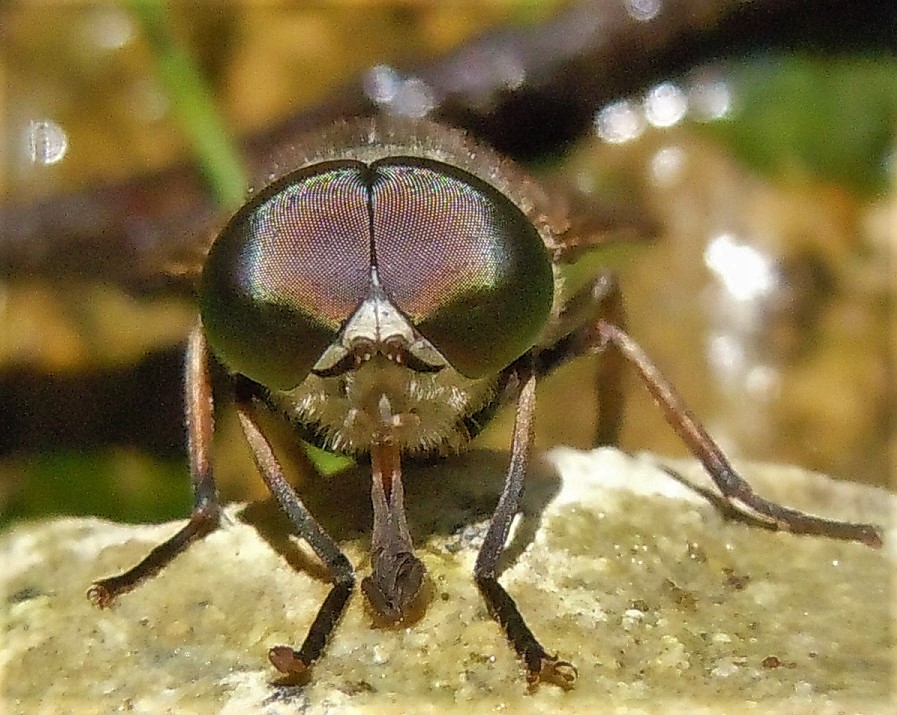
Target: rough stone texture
[{"x": 662, "y": 604}]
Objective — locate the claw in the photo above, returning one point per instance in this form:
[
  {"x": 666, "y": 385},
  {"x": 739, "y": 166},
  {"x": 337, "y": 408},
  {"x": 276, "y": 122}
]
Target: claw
[
  {"x": 551, "y": 670},
  {"x": 100, "y": 596},
  {"x": 288, "y": 662}
]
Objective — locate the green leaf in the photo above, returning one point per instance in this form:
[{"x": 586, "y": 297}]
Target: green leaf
[{"x": 833, "y": 117}]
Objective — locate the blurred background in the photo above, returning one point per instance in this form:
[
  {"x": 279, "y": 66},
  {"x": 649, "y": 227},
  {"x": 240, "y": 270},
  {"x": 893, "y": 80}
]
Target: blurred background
[{"x": 764, "y": 148}]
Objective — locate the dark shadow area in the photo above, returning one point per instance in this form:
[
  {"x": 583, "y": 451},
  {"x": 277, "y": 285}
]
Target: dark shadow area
[
  {"x": 725, "y": 509},
  {"x": 138, "y": 405},
  {"x": 454, "y": 496},
  {"x": 542, "y": 119},
  {"x": 871, "y": 534}
]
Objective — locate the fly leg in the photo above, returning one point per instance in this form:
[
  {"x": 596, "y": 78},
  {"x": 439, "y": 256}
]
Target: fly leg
[
  {"x": 601, "y": 298},
  {"x": 206, "y": 514},
  {"x": 296, "y": 664},
  {"x": 590, "y": 323},
  {"x": 540, "y": 665},
  {"x": 735, "y": 489}
]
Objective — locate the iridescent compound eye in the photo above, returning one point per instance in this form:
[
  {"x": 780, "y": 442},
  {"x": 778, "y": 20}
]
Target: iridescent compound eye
[
  {"x": 455, "y": 256},
  {"x": 461, "y": 261}
]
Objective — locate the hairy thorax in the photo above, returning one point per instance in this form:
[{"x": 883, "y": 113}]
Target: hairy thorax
[{"x": 423, "y": 412}]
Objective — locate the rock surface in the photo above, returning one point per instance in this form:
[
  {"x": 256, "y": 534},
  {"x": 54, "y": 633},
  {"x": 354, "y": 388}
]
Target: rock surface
[{"x": 662, "y": 604}]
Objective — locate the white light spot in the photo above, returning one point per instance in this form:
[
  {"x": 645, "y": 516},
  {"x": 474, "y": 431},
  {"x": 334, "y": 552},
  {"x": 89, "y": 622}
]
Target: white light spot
[
  {"x": 666, "y": 165},
  {"x": 381, "y": 84},
  {"x": 762, "y": 381},
  {"x": 109, "y": 28},
  {"x": 46, "y": 141},
  {"x": 665, "y": 105},
  {"x": 725, "y": 668},
  {"x": 415, "y": 99},
  {"x": 745, "y": 272},
  {"x": 619, "y": 122},
  {"x": 726, "y": 354},
  {"x": 643, "y": 10},
  {"x": 709, "y": 95},
  {"x": 404, "y": 96}
]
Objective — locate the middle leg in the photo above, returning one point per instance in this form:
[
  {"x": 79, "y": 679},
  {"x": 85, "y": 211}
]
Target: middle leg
[
  {"x": 540, "y": 665},
  {"x": 297, "y": 664}
]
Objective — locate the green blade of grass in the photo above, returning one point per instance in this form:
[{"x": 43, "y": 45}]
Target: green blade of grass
[
  {"x": 193, "y": 105},
  {"x": 198, "y": 115}
]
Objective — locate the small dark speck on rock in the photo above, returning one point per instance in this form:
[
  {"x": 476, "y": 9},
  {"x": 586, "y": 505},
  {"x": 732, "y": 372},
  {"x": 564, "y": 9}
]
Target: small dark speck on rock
[
  {"x": 357, "y": 687},
  {"x": 294, "y": 694},
  {"x": 735, "y": 581},
  {"x": 25, "y": 594}
]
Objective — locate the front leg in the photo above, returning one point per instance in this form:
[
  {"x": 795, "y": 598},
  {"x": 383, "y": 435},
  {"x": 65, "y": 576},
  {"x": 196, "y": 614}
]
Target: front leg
[
  {"x": 206, "y": 514},
  {"x": 540, "y": 665}
]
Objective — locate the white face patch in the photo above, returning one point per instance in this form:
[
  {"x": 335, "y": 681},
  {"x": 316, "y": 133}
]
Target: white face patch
[
  {"x": 351, "y": 404},
  {"x": 375, "y": 322}
]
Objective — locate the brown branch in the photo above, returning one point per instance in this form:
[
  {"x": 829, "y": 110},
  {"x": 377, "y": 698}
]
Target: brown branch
[
  {"x": 524, "y": 90},
  {"x": 511, "y": 87}
]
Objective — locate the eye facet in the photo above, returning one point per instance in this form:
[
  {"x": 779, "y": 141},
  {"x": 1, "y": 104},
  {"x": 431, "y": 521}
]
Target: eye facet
[
  {"x": 287, "y": 270},
  {"x": 455, "y": 256},
  {"x": 461, "y": 261}
]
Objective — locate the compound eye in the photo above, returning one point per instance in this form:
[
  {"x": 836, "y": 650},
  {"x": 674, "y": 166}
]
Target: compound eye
[
  {"x": 461, "y": 261},
  {"x": 286, "y": 271}
]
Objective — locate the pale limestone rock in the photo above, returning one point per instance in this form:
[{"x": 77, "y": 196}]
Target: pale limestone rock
[{"x": 663, "y": 605}]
